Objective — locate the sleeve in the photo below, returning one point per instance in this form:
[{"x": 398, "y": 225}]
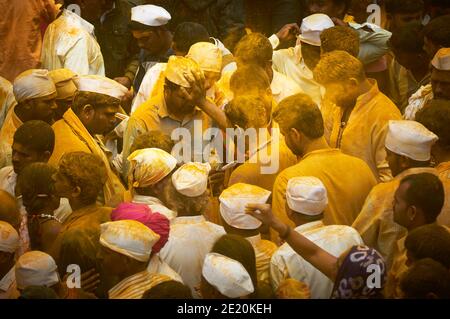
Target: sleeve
[
  {"x": 278, "y": 271},
  {"x": 367, "y": 223},
  {"x": 147, "y": 86},
  {"x": 279, "y": 203},
  {"x": 374, "y": 42},
  {"x": 77, "y": 59},
  {"x": 132, "y": 67}
]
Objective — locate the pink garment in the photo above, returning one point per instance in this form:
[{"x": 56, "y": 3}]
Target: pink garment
[
  {"x": 20, "y": 34},
  {"x": 142, "y": 213}
]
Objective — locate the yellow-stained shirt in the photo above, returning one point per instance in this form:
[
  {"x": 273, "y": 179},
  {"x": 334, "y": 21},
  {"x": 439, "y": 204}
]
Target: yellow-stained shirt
[
  {"x": 10, "y": 126},
  {"x": 348, "y": 181},
  {"x": 376, "y": 223},
  {"x": 135, "y": 286},
  {"x": 251, "y": 172},
  {"x": 364, "y": 133},
  {"x": 264, "y": 249},
  {"x": 398, "y": 268},
  {"x": 72, "y": 136},
  {"x": 7, "y": 99},
  {"x": 443, "y": 170}
]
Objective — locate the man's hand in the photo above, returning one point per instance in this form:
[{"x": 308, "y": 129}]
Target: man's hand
[
  {"x": 262, "y": 212},
  {"x": 339, "y": 22},
  {"x": 90, "y": 280},
  {"x": 124, "y": 80},
  {"x": 197, "y": 92},
  {"x": 288, "y": 33}
]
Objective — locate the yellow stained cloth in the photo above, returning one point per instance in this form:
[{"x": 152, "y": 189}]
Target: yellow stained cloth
[
  {"x": 65, "y": 86},
  {"x": 180, "y": 69},
  {"x": 444, "y": 174},
  {"x": 72, "y": 136},
  {"x": 347, "y": 179},
  {"x": 207, "y": 55},
  {"x": 392, "y": 289},
  {"x": 376, "y": 223},
  {"x": 153, "y": 115},
  {"x": 264, "y": 249},
  {"x": 69, "y": 42},
  {"x": 7, "y": 99},
  {"x": 365, "y": 131},
  {"x": 250, "y": 173},
  {"x": 135, "y": 286},
  {"x": 10, "y": 126}
]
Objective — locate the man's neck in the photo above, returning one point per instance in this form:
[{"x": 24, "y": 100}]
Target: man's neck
[{"x": 316, "y": 145}]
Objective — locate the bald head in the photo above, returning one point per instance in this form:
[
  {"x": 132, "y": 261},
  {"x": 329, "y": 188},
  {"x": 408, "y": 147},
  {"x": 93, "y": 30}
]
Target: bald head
[{"x": 9, "y": 210}]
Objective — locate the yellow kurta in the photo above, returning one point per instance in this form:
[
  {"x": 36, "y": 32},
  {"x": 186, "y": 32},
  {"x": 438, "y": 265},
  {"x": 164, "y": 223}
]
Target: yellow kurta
[
  {"x": 348, "y": 181},
  {"x": 376, "y": 223},
  {"x": 264, "y": 249},
  {"x": 444, "y": 174},
  {"x": 365, "y": 131},
  {"x": 7, "y": 99},
  {"x": 72, "y": 136},
  {"x": 10, "y": 126},
  {"x": 392, "y": 289},
  {"x": 251, "y": 172},
  {"x": 135, "y": 286}
]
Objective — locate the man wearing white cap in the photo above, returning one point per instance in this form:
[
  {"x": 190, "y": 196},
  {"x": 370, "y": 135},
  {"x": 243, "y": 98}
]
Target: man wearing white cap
[
  {"x": 93, "y": 112},
  {"x": 35, "y": 94},
  {"x": 149, "y": 28},
  {"x": 70, "y": 43},
  {"x": 232, "y": 210},
  {"x": 191, "y": 236},
  {"x": 177, "y": 106},
  {"x": 439, "y": 88},
  {"x": 150, "y": 172},
  {"x": 65, "y": 89},
  {"x": 209, "y": 58},
  {"x": 408, "y": 146},
  {"x": 307, "y": 199},
  {"x": 358, "y": 123},
  {"x": 125, "y": 254},
  {"x": 9, "y": 242},
  {"x": 228, "y": 277}
]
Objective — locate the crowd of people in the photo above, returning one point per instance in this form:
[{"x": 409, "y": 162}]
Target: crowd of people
[{"x": 215, "y": 149}]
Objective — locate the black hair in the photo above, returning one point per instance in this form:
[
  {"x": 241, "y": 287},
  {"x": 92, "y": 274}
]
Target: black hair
[
  {"x": 406, "y": 38},
  {"x": 436, "y": 117},
  {"x": 438, "y": 31},
  {"x": 300, "y": 112},
  {"x": 36, "y": 135},
  {"x": 404, "y": 6},
  {"x": 426, "y": 192},
  {"x": 189, "y": 33}
]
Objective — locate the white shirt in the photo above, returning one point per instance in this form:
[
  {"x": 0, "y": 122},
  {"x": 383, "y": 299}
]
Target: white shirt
[
  {"x": 191, "y": 238},
  {"x": 8, "y": 288},
  {"x": 157, "y": 266},
  {"x": 283, "y": 87},
  {"x": 69, "y": 42},
  {"x": 290, "y": 63},
  {"x": 155, "y": 205},
  {"x": 286, "y": 263},
  {"x": 148, "y": 84}
]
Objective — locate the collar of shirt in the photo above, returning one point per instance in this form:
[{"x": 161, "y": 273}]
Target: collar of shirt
[
  {"x": 362, "y": 100},
  {"x": 416, "y": 170},
  {"x": 85, "y": 25},
  {"x": 189, "y": 220},
  {"x": 8, "y": 280},
  {"x": 309, "y": 226},
  {"x": 443, "y": 167},
  {"x": 254, "y": 239},
  {"x": 323, "y": 152},
  {"x": 164, "y": 113}
]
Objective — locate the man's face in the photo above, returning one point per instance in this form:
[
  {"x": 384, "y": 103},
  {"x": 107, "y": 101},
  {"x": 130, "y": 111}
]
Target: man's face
[
  {"x": 23, "y": 156},
  {"x": 176, "y": 102},
  {"x": 63, "y": 106},
  {"x": 400, "y": 206},
  {"x": 102, "y": 120},
  {"x": 394, "y": 162},
  {"x": 44, "y": 108},
  {"x": 401, "y": 19},
  {"x": 149, "y": 40},
  {"x": 440, "y": 83},
  {"x": 342, "y": 94},
  {"x": 211, "y": 79},
  {"x": 408, "y": 60},
  {"x": 327, "y": 7}
]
